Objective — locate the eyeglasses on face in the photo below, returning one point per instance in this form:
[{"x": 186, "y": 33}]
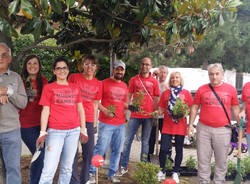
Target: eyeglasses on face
[
  {"x": 145, "y": 64},
  {"x": 61, "y": 68},
  {"x": 89, "y": 64},
  {"x": 4, "y": 55}
]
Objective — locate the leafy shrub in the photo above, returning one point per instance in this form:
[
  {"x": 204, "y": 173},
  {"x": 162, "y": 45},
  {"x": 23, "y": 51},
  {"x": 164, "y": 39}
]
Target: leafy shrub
[
  {"x": 246, "y": 163},
  {"x": 146, "y": 173},
  {"x": 231, "y": 166},
  {"x": 191, "y": 163},
  {"x": 169, "y": 164}
]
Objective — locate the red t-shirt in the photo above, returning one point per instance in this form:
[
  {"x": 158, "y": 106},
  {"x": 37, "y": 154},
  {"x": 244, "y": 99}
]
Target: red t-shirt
[
  {"x": 169, "y": 126},
  {"x": 62, "y": 100},
  {"x": 113, "y": 93},
  {"x": 152, "y": 86},
  {"x": 212, "y": 113},
  {"x": 90, "y": 91},
  {"x": 246, "y": 98},
  {"x": 31, "y": 115}
]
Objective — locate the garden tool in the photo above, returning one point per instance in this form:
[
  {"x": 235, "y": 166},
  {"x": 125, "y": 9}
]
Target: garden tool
[
  {"x": 37, "y": 153},
  {"x": 238, "y": 177}
]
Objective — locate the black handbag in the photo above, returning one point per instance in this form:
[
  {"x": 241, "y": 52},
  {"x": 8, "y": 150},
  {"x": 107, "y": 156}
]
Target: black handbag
[{"x": 234, "y": 137}]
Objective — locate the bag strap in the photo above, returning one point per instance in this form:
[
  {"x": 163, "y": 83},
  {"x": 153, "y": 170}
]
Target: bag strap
[
  {"x": 145, "y": 88},
  {"x": 218, "y": 98}
]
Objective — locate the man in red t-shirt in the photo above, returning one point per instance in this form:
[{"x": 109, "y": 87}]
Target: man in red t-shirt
[
  {"x": 144, "y": 86},
  {"x": 246, "y": 109},
  {"x": 212, "y": 134},
  {"x": 111, "y": 126}
]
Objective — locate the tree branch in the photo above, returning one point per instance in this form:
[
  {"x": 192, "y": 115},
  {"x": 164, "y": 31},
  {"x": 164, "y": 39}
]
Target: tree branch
[{"x": 36, "y": 46}]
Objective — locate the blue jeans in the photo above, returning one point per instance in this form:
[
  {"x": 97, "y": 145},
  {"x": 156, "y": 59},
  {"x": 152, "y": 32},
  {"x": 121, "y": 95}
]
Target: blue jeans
[
  {"x": 29, "y": 137},
  {"x": 133, "y": 126},
  {"x": 87, "y": 152},
  {"x": 248, "y": 143},
  {"x": 59, "y": 145},
  {"x": 109, "y": 135},
  {"x": 10, "y": 146}
]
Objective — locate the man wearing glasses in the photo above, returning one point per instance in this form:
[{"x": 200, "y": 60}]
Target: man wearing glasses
[
  {"x": 12, "y": 98},
  {"x": 146, "y": 85}
]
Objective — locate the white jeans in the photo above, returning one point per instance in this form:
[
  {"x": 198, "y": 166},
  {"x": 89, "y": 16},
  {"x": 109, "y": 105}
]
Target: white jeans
[{"x": 59, "y": 145}]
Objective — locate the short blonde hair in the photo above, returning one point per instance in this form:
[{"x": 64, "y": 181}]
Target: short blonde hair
[
  {"x": 215, "y": 65},
  {"x": 172, "y": 75}
]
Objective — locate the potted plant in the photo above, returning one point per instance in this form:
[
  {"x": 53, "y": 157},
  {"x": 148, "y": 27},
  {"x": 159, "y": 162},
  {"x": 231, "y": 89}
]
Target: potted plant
[
  {"x": 169, "y": 166},
  {"x": 180, "y": 109},
  {"x": 190, "y": 168},
  {"x": 231, "y": 170},
  {"x": 30, "y": 91}
]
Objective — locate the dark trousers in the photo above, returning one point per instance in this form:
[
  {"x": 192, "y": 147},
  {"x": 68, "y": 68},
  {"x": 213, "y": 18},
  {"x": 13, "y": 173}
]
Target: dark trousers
[
  {"x": 153, "y": 136},
  {"x": 87, "y": 152},
  {"x": 166, "y": 146},
  {"x": 29, "y": 137}
]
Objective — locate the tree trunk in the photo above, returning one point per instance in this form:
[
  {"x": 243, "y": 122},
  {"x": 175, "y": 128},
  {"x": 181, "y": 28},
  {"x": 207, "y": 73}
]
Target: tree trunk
[{"x": 112, "y": 61}]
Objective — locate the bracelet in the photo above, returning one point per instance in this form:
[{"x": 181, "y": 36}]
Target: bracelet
[{"x": 42, "y": 133}]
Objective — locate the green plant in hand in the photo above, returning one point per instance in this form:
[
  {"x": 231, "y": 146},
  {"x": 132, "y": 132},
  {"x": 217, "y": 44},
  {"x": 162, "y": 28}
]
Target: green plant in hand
[
  {"x": 111, "y": 108},
  {"x": 180, "y": 109},
  {"x": 138, "y": 100},
  {"x": 146, "y": 173},
  {"x": 31, "y": 92},
  {"x": 191, "y": 163}
]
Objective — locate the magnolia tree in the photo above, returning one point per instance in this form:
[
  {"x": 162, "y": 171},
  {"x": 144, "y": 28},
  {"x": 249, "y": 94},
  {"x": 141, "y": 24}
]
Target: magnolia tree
[{"x": 111, "y": 25}]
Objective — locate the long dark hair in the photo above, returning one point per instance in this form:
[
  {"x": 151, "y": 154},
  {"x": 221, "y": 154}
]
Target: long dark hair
[
  {"x": 57, "y": 60},
  {"x": 25, "y": 74}
]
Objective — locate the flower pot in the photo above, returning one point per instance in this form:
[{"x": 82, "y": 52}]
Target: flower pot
[
  {"x": 178, "y": 116},
  {"x": 185, "y": 171}
]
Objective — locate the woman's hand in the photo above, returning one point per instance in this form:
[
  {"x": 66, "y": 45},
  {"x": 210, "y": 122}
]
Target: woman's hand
[
  {"x": 83, "y": 136},
  {"x": 41, "y": 139}
]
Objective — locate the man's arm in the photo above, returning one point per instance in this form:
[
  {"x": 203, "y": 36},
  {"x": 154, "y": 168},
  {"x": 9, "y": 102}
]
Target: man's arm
[
  {"x": 18, "y": 98},
  {"x": 236, "y": 111},
  {"x": 193, "y": 113}
]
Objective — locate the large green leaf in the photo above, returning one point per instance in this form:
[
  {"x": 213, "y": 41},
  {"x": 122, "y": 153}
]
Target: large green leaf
[
  {"x": 56, "y": 6},
  {"x": 44, "y": 4},
  {"x": 28, "y": 9},
  {"x": 37, "y": 29},
  {"x": 70, "y": 3},
  {"x": 13, "y": 6}
]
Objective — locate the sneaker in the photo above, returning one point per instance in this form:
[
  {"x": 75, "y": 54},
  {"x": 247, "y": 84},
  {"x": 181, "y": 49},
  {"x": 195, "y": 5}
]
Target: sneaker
[
  {"x": 114, "y": 179},
  {"x": 175, "y": 177},
  {"x": 161, "y": 176},
  {"x": 88, "y": 182},
  {"x": 91, "y": 178},
  {"x": 123, "y": 171}
]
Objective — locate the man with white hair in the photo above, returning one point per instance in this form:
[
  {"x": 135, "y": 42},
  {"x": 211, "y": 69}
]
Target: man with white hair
[
  {"x": 12, "y": 98},
  {"x": 213, "y": 133}
]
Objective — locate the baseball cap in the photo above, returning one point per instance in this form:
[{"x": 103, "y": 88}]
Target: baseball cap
[{"x": 119, "y": 63}]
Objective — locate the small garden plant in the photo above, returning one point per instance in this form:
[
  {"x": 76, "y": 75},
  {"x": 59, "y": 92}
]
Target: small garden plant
[
  {"x": 191, "y": 163},
  {"x": 231, "y": 167},
  {"x": 111, "y": 108},
  {"x": 146, "y": 173},
  {"x": 180, "y": 109},
  {"x": 169, "y": 164}
]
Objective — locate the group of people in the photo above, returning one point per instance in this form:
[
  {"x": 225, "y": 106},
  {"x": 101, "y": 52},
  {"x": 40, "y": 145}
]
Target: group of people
[{"x": 53, "y": 118}]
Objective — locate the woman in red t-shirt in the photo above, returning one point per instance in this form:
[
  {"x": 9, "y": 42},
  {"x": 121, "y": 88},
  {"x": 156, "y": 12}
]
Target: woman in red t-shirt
[
  {"x": 31, "y": 115},
  {"x": 64, "y": 116},
  {"x": 173, "y": 127},
  {"x": 91, "y": 89}
]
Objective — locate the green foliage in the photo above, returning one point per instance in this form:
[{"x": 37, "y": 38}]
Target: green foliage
[
  {"x": 180, "y": 108},
  {"x": 191, "y": 163},
  {"x": 112, "y": 25},
  {"x": 169, "y": 164},
  {"x": 146, "y": 173},
  {"x": 138, "y": 100},
  {"x": 46, "y": 56},
  {"x": 112, "y": 108},
  {"x": 246, "y": 164},
  {"x": 212, "y": 168},
  {"x": 231, "y": 167}
]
